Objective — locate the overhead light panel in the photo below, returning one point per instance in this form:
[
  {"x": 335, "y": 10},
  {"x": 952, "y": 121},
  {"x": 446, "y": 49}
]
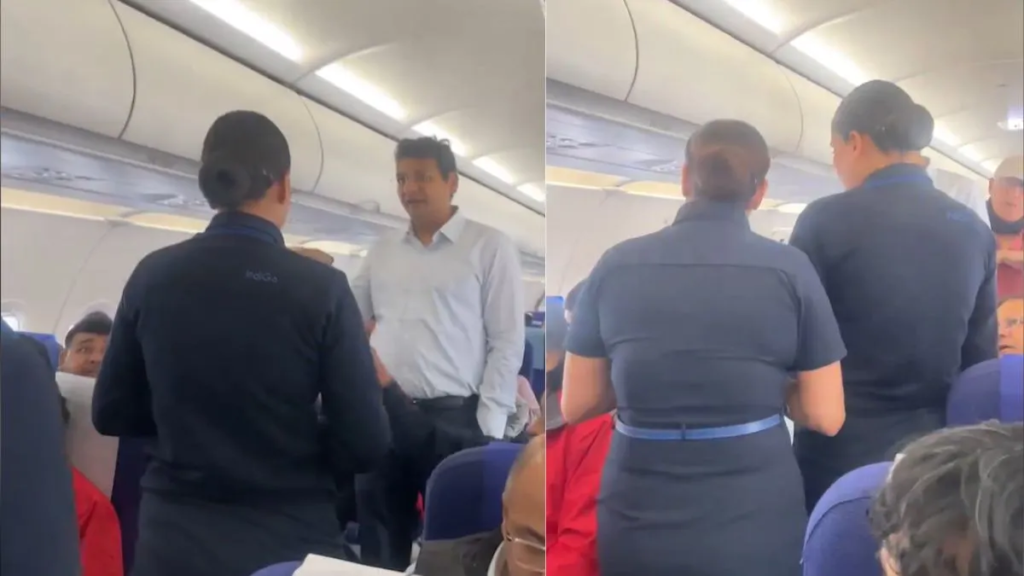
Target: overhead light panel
[
  {"x": 241, "y": 18},
  {"x": 757, "y": 12},
  {"x": 791, "y": 207},
  {"x": 494, "y": 169},
  {"x": 973, "y": 153},
  {"x": 533, "y": 192},
  {"x": 945, "y": 136},
  {"x": 431, "y": 129},
  {"x": 342, "y": 78},
  {"x": 649, "y": 194},
  {"x": 991, "y": 165}
]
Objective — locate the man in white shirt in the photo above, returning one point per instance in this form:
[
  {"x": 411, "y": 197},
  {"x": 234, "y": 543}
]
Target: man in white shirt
[{"x": 446, "y": 298}]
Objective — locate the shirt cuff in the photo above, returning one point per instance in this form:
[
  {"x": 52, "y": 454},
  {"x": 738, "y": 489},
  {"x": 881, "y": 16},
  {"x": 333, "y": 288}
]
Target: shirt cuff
[{"x": 491, "y": 423}]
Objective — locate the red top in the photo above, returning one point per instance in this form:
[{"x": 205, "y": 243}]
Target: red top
[
  {"x": 1010, "y": 279},
  {"x": 575, "y": 457},
  {"x": 99, "y": 533}
]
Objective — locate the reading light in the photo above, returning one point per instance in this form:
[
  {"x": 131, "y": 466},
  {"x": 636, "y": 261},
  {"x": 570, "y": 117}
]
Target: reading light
[
  {"x": 342, "y": 78},
  {"x": 236, "y": 15},
  {"x": 791, "y": 208},
  {"x": 494, "y": 169},
  {"x": 431, "y": 129},
  {"x": 533, "y": 192}
]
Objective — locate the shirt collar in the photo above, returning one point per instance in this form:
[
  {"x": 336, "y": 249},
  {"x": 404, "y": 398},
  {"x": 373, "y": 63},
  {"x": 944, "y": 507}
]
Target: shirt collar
[
  {"x": 710, "y": 210},
  {"x": 894, "y": 173},
  {"x": 243, "y": 224},
  {"x": 451, "y": 230}
]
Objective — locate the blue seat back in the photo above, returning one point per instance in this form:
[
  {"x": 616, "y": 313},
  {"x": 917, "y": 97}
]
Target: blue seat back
[
  {"x": 838, "y": 541},
  {"x": 464, "y": 492},
  {"x": 992, "y": 390},
  {"x": 282, "y": 569},
  {"x": 52, "y": 346}
]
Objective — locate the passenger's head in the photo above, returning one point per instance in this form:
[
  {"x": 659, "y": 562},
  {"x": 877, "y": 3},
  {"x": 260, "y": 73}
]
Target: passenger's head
[
  {"x": 523, "y": 524},
  {"x": 85, "y": 344},
  {"x": 1006, "y": 189},
  {"x": 727, "y": 161},
  {"x": 954, "y": 505},
  {"x": 427, "y": 179},
  {"x": 1011, "y": 325},
  {"x": 875, "y": 126},
  {"x": 246, "y": 166}
]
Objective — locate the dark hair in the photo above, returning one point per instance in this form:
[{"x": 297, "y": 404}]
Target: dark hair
[
  {"x": 884, "y": 112},
  {"x": 92, "y": 323},
  {"x": 956, "y": 486},
  {"x": 727, "y": 160},
  {"x": 428, "y": 148},
  {"x": 244, "y": 154}
]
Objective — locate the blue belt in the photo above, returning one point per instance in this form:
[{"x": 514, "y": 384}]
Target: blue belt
[{"x": 697, "y": 433}]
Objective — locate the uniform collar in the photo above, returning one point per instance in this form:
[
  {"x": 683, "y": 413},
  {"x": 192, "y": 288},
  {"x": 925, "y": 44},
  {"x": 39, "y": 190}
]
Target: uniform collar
[
  {"x": 896, "y": 173},
  {"x": 243, "y": 224},
  {"x": 710, "y": 210},
  {"x": 451, "y": 230}
]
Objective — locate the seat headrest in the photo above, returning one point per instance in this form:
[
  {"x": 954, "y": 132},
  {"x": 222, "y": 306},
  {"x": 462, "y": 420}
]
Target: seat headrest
[
  {"x": 93, "y": 455},
  {"x": 51, "y": 344},
  {"x": 991, "y": 390},
  {"x": 464, "y": 492},
  {"x": 838, "y": 541}
]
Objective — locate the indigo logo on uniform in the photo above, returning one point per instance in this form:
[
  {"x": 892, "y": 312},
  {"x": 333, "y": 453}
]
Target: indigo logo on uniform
[{"x": 260, "y": 276}]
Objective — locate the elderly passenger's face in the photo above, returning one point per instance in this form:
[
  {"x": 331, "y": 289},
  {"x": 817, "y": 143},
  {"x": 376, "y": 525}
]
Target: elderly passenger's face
[
  {"x": 1011, "y": 326},
  {"x": 523, "y": 525}
]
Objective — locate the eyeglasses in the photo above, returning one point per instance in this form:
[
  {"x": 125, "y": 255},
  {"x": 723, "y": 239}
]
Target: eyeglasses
[
  {"x": 1011, "y": 323},
  {"x": 526, "y": 554}
]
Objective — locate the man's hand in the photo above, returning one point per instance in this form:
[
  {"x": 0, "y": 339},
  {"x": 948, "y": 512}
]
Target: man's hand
[
  {"x": 384, "y": 377},
  {"x": 318, "y": 255},
  {"x": 1011, "y": 257}
]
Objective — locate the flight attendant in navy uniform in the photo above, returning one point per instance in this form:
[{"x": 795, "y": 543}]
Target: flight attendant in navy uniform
[
  {"x": 692, "y": 334},
  {"x": 221, "y": 348},
  {"x": 910, "y": 273}
]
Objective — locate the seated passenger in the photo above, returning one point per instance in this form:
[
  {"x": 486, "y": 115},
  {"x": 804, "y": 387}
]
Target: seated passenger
[
  {"x": 994, "y": 389},
  {"x": 953, "y": 505},
  {"x": 85, "y": 345},
  {"x": 527, "y": 412},
  {"x": 575, "y": 458},
  {"x": 1006, "y": 217},
  {"x": 516, "y": 548},
  {"x": 99, "y": 534},
  {"x": 1011, "y": 325}
]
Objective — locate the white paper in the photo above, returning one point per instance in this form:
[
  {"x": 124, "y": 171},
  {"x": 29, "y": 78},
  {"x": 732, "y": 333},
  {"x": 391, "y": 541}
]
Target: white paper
[{"x": 315, "y": 565}]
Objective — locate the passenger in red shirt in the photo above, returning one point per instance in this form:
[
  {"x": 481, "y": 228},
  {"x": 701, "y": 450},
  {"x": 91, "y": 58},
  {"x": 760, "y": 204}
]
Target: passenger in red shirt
[
  {"x": 1006, "y": 215},
  {"x": 99, "y": 532},
  {"x": 575, "y": 459}
]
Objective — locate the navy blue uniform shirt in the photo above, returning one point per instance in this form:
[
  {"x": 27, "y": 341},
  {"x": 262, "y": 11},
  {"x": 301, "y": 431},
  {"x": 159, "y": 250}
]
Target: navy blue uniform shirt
[
  {"x": 910, "y": 273},
  {"x": 221, "y": 346},
  {"x": 703, "y": 321}
]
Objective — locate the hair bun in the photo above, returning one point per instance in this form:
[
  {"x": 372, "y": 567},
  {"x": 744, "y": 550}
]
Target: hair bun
[
  {"x": 922, "y": 127},
  {"x": 224, "y": 184}
]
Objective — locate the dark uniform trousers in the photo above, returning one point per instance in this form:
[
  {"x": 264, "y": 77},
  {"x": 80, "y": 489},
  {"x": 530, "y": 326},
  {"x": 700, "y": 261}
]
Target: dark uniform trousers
[
  {"x": 386, "y": 498},
  {"x": 863, "y": 440}
]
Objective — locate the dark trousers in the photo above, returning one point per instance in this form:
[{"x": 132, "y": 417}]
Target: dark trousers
[
  {"x": 386, "y": 498},
  {"x": 863, "y": 440},
  {"x": 179, "y": 536}
]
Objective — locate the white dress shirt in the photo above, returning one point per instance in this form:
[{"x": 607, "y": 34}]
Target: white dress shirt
[{"x": 449, "y": 315}]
